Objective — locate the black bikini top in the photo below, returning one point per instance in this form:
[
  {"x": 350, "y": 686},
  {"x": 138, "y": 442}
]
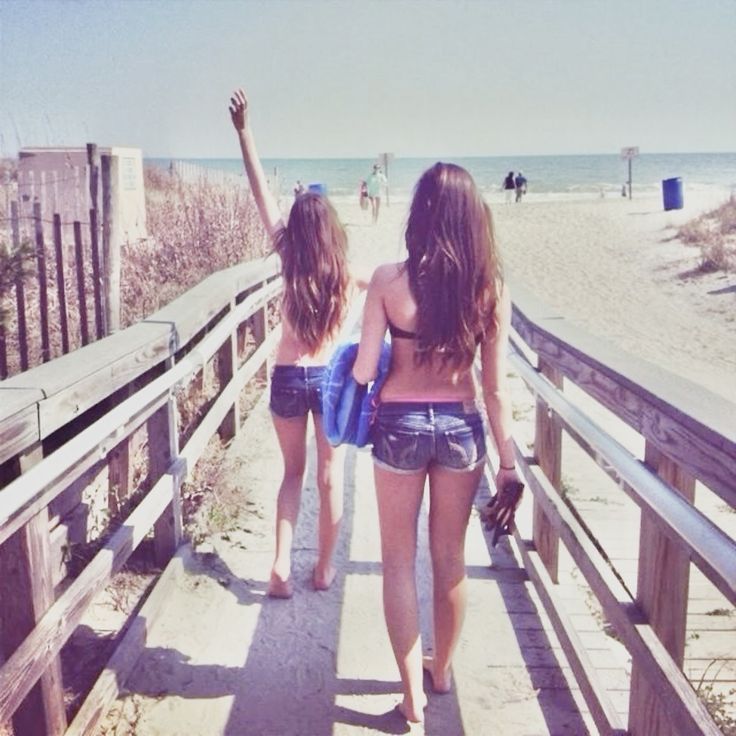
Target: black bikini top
[{"x": 395, "y": 331}]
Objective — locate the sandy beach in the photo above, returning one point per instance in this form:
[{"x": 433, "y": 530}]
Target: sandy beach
[{"x": 612, "y": 266}]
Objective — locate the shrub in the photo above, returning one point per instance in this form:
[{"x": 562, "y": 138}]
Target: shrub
[{"x": 715, "y": 234}]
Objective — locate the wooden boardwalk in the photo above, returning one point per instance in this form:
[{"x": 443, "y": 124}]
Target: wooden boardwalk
[{"x": 222, "y": 658}]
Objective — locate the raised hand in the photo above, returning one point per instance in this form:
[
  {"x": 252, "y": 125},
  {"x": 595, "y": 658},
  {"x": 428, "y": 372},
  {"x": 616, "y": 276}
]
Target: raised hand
[{"x": 239, "y": 110}]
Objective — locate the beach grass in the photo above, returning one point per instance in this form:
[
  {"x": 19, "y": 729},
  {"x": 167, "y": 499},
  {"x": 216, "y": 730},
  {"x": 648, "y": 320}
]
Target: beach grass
[{"x": 714, "y": 232}]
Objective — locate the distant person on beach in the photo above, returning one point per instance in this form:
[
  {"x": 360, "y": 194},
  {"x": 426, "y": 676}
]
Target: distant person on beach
[
  {"x": 376, "y": 182},
  {"x": 446, "y": 302},
  {"x": 509, "y": 186},
  {"x": 312, "y": 246},
  {"x": 298, "y": 189},
  {"x": 520, "y": 185},
  {"x": 363, "y": 196}
]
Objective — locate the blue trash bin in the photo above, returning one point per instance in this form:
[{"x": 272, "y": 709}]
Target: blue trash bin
[
  {"x": 672, "y": 193},
  {"x": 318, "y": 188}
]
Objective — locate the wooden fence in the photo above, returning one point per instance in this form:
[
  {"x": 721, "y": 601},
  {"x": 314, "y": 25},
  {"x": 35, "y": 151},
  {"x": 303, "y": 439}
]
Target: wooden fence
[
  {"x": 80, "y": 417},
  {"x": 72, "y": 424},
  {"x": 66, "y": 294},
  {"x": 689, "y": 434}
]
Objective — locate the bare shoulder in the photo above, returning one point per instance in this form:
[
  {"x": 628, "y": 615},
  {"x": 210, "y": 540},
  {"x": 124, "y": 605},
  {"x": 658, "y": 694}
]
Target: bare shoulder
[{"x": 387, "y": 273}]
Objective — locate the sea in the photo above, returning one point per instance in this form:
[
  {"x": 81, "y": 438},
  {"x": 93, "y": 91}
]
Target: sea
[{"x": 548, "y": 177}]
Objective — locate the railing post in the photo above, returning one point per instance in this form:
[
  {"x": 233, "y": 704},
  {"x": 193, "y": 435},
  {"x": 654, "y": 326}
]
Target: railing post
[
  {"x": 548, "y": 453},
  {"x": 662, "y": 591},
  {"x": 259, "y": 329},
  {"x": 26, "y": 593},
  {"x": 227, "y": 367},
  {"x": 163, "y": 448}
]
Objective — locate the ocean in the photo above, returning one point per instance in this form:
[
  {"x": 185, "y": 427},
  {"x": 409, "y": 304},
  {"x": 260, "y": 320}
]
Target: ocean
[{"x": 549, "y": 177}]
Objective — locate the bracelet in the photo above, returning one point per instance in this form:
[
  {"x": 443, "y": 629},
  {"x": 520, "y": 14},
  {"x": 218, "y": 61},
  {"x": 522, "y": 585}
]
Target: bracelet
[{"x": 503, "y": 467}]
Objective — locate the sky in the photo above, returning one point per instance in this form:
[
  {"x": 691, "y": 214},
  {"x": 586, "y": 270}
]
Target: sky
[{"x": 353, "y": 78}]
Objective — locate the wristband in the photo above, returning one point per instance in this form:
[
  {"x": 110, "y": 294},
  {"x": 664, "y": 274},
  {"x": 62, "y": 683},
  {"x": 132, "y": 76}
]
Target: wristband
[{"x": 503, "y": 467}]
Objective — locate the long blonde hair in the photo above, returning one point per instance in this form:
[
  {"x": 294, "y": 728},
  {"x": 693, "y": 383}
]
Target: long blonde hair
[
  {"x": 313, "y": 252},
  {"x": 453, "y": 266}
]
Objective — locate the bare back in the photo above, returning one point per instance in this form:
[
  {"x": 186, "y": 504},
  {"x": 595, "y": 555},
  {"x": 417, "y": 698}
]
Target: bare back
[{"x": 408, "y": 381}]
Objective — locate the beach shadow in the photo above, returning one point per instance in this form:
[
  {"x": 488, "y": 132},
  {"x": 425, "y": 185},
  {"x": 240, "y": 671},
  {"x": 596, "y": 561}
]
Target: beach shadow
[
  {"x": 725, "y": 290},
  {"x": 555, "y": 700}
]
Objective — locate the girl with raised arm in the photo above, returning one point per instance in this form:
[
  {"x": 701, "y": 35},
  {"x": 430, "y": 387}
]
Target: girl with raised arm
[
  {"x": 312, "y": 246},
  {"x": 442, "y": 305}
]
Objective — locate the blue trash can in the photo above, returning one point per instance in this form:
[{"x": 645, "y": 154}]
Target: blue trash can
[
  {"x": 672, "y": 193},
  {"x": 318, "y": 188}
]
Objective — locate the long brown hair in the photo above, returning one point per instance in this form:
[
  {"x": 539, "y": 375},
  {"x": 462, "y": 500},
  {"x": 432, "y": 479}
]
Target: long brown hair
[
  {"x": 453, "y": 266},
  {"x": 313, "y": 252}
]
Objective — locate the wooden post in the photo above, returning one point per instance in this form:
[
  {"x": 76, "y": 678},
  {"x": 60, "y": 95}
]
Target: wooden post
[
  {"x": 97, "y": 276},
  {"x": 548, "y": 452},
  {"x": 81, "y": 291},
  {"x": 43, "y": 296},
  {"x": 26, "y": 593},
  {"x": 120, "y": 476},
  {"x": 111, "y": 241},
  {"x": 163, "y": 447},
  {"x": 227, "y": 367},
  {"x": 20, "y": 297},
  {"x": 3, "y": 352},
  {"x": 60, "y": 286},
  {"x": 662, "y": 591},
  {"x": 93, "y": 160}
]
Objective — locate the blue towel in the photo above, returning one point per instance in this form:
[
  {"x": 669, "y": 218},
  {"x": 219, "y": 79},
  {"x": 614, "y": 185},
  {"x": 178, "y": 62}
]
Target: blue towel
[{"x": 348, "y": 408}]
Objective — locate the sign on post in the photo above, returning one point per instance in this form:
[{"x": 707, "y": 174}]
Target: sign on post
[{"x": 628, "y": 154}]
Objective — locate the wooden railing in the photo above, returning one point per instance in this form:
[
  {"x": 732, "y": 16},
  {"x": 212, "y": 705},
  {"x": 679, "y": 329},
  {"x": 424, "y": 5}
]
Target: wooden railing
[
  {"x": 689, "y": 434},
  {"x": 77, "y": 423},
  {"x": 80, "y": 421}
]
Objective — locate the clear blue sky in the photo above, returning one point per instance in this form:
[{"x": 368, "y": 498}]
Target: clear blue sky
[{"x": 353, "y": 78}]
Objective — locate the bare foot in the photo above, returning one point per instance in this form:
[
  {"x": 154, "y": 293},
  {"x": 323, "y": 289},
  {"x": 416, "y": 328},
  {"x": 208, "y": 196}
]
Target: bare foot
[
  {"x": 323, "y": 580},
  {"x": 280, "y": 588},
  {"x": 441, "y": 684},
  {"x": 412, "y": 714}
]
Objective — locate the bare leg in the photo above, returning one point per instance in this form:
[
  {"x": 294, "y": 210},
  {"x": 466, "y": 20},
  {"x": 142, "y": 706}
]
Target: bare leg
[
  {"x": 451, "y": 498},
  {"x": 399, "y": 500},
  {"x": 378, "y": 208},
  {"x": 292, "y": 436},
  {"x": 330, "y": 484}
]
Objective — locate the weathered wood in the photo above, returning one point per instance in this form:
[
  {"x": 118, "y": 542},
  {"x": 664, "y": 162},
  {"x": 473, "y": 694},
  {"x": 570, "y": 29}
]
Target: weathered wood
[
  {"x": 162, "y": 452},
  {"x": 93, "y": 163},
  {"x": 120, "y": 476},
  {"x": 662, "y": 594},
  {"x": 22, "y": 670},
  {"x": 227, "y": 357},
  {"x": 67, "y": 533},
  {"x": 548, "y": 451},
  {"x": 20, "y": 298},
  {"x": 708, "y": 546},
  {"x": 81, "y": 289},
  {"x": 111, "y": 242},
  {"x": 60, "y": 285},
  {"x": 258, "y": 324},
  {"x": 113, "y": 678},
  {"x": 664, "y": 676},
  {"x": 685, "y": 421},
  {"x": 43, "y": 297},
  {"x": 97, "y": 288},
  {"x": 36, "y": 488},
  {"x": 21, "y": 428},
  {"x": 602, "y": 710},
  {"x": 26, "y": 593}
]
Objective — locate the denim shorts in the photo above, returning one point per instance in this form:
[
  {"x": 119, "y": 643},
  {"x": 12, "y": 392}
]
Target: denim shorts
[
  {"x": 296, "y": 390},
  {"x": 411, "y": 436}
]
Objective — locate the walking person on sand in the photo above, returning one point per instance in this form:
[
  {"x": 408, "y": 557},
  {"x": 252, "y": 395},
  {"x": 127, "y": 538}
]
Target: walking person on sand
[
  {"x": 312, "y": 246},
  {"x": 441, "y": 305},
  {"x": 509, "y": 186},
  {"x": 376, "y": 182}
]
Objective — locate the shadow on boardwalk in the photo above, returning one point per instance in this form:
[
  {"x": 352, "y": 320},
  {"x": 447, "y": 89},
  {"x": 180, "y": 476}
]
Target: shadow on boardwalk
[{"x": 226, "y": 659}]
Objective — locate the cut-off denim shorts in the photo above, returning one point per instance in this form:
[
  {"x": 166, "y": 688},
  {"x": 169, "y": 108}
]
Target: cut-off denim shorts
[
  {"x": 412, "y": 436},
  {"x": 296, "y": 390}
]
